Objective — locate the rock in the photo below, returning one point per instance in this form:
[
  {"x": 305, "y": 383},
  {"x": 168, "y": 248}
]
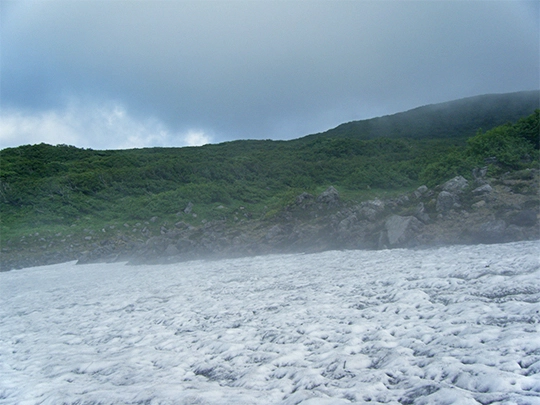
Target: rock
[
  {"x": 479, "y": 204},
  {"x": 371, "y": 209},
  {"x": 421, "y": 213},
  {"x": 446, "y": 201},
  {"x": 330, "y": 196},
  {"x": 376, "y": 204},
  {"x": 171, "y": 250},
  {"x": 156, "y": 242},
  {"x": 401, "y": 230},
  {"x": 489, "y": 232},
  {"x": 484, "y": 189},
  {"x": 524, "y": 218},
  {"x": 402, "y": 200},
  {"x": 346, "y": 224},
  {"x": 420, "y": 191},
  {"x": 456, "y": 185},
  {"x": 188, "y": 208},
  {"x": 184, "y": 245},
  {"x": 303, "y": 199},
  {"x": 181, "y": 225},
  {"x": 273, "y": 233},
  {"x": 479, "y": 174}
]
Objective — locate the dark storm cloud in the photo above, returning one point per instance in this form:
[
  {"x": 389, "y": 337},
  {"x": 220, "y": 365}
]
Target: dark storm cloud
[{"x": 259, "y": 69}]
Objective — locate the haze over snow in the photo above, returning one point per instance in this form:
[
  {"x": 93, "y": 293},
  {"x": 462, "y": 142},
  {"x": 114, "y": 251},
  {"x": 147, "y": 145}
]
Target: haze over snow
[{"x": 453, "y": 325}]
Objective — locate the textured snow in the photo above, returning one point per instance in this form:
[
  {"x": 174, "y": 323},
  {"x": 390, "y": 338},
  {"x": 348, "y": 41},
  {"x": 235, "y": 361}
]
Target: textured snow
[{"x": 453, "y": 325}]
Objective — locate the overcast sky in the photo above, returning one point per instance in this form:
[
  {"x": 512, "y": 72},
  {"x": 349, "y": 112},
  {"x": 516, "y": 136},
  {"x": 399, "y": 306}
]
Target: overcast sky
[{"x": 124, "y": 74}]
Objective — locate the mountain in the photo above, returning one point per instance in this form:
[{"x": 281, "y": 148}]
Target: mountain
[
  {"x": 458, "y": 118},
  {"x": 62, "y": 203}
]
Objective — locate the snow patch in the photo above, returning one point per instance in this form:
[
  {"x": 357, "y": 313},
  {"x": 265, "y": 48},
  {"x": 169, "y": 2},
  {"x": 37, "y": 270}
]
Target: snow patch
[{"x": 454, "y": 325}]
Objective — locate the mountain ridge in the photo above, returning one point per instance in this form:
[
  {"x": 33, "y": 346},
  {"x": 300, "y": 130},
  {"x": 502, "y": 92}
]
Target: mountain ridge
[{"x": 510, "y": 107}]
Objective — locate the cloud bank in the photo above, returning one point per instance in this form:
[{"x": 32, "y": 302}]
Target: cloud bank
[{"x": 106, "y": 126}]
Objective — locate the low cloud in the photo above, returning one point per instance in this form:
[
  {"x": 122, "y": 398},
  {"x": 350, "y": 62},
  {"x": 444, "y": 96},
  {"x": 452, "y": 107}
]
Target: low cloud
[
  {"x": 108, "y": 126},
  {"x": 197, "y": 138}
]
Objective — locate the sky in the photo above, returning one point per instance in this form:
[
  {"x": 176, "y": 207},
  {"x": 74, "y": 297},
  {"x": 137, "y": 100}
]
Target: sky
[{"x": 130, "y": 74}]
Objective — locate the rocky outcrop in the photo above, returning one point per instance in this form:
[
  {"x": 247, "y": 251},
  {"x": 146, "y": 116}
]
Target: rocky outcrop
[{"x": 483, "y": 210}]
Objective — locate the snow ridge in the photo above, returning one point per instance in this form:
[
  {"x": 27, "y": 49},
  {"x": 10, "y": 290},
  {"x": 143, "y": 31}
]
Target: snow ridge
[{"x": 453, "y": 325}]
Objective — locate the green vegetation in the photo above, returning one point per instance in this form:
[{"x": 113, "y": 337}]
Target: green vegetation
[
  {"x": 64, "y": 189},
  {"x": 454, "y": 119},
  {"x": 504, "y": 148},
  {"x": 44, "y": 185}
]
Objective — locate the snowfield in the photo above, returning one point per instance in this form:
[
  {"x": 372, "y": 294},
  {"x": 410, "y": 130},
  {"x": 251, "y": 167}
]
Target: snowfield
[{"x": 453, "y": 325}]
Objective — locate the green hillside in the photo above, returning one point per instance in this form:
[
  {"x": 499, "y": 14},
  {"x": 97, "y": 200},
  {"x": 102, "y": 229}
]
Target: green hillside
[
  {"x": 453, "y": 119},
  {"x": 48, "y": 189}
]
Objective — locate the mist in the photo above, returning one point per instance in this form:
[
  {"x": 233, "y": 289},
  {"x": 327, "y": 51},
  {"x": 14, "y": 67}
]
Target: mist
[{"x": 456, "y": 324}]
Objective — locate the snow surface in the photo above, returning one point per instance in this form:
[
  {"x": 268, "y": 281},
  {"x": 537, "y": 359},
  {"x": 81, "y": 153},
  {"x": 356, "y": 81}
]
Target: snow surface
[{"x": 453, "y": 325}]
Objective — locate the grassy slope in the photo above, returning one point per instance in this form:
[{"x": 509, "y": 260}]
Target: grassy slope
[
  {"x": 62, "y": 189},
  {"x": 459, "y": 118}
]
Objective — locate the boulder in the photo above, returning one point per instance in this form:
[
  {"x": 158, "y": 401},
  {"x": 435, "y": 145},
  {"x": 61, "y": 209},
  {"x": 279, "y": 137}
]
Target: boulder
[
  {"x": 188, "y": 208},
  {"x": 479, "y": 204},
  {"x": 401, "y": 231},
  {"x": 346, "y": 224},
  {"x": 303, "y": 198},
  {"x": 484, "y": 189},
  {"x": 330, "y": 196},
  {"x": 479, "y": 174},
  {"x": 371, "y": 209},
  {"x": 420, "y": 191},
  {"x": 456, "y": 185},
  {"x": 446, "y": 201},
  {"x": 421, "y": 213}
]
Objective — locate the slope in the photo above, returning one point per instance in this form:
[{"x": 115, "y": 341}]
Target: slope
[{"x": 453, "y": 119}]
